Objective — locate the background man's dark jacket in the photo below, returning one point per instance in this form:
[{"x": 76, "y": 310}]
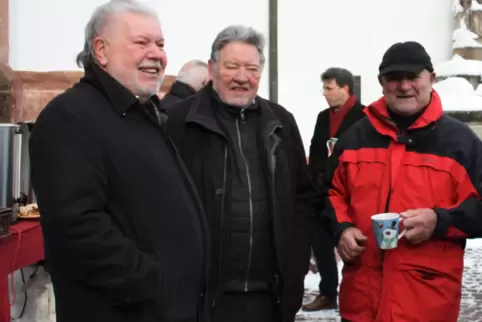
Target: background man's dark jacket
[
  {"x": 203, "y": 145},
  {"x": 125, "y": 239},
  {"x": 318, "y": 149},
  {"x": 179, "y": 91}
]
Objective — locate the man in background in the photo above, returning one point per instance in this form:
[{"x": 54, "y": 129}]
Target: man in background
[
  {"x": 191, "y": 78},
  {"x": 344, "y": 110}
]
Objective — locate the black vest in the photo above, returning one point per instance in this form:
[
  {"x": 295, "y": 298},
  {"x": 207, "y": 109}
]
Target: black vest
[{"x": 250, "y": 258}]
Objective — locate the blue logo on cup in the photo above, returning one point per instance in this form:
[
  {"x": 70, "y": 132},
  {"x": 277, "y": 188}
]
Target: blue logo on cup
[{"x": 386, "y": 228}]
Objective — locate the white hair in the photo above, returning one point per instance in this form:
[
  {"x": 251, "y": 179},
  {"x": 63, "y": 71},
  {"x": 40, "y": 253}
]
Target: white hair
[
  {"x": 195, "y": 77},
  {"x": 197, "y": 67},
  {"x": 99, "y": 20},
  {"x": 242, "y": 34}
]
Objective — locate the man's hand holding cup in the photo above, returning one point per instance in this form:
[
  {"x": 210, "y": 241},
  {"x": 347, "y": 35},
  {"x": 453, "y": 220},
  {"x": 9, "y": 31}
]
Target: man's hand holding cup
[{"x": 419, "y": 223}]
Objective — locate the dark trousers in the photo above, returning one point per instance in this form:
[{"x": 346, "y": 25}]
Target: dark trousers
[
  {"x": 246, "y": 307},
  {"x": 323, "y": 247}
]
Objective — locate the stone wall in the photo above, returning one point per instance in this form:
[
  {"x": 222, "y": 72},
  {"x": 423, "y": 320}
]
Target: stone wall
[
  {"x": 23, "y": 94},
  {"x": 471, "y": 53},
  {"x": 4, "y": 31}
]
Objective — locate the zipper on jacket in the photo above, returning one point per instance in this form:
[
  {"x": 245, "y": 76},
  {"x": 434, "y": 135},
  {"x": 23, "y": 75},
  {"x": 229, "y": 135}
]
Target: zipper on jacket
[
  {"x": 389, "y": 196},
  {"x": 251, "y": 226},
  {"x": 272, "y": 166},
  {"x": 243, "y": 118},
  {"x": 222, "y": 218}
]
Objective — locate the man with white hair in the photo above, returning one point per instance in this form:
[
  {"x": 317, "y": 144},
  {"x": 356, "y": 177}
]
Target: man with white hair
[
  {"x": 125, "y": 237},
  {"x": 246, "y": 157},
  {"x": 191, "y": 78}
]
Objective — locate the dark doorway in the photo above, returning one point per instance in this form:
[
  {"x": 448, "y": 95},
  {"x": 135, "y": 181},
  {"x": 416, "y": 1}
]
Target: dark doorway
[{"x": 357, "y": 87}]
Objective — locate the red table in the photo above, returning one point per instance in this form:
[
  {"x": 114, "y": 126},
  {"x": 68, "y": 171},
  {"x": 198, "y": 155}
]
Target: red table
[{"x": 22, "y": 248}]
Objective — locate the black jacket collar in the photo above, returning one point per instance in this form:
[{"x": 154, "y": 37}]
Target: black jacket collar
[
  {"x": 201, "y": 111},
  {"x": 181, "y": 90},
  {"x": 121, "y": 98}
]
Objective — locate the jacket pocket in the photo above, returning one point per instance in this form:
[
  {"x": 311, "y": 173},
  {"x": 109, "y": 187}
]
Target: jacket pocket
[
  {"x": 423, "y": 294},
  {"x": 364, "y": 176}
]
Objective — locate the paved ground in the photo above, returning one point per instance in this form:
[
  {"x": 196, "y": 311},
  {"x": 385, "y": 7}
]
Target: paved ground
[
  {"x": 472, "y": 288},
  {"x": 471, "y": 310}
]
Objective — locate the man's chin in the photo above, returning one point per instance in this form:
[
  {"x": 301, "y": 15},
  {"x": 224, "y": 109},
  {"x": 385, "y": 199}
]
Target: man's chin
[
  {"x": 149, "y": 87},
  {"x": 239, "y": 102},
  {"x": 148, "y": 91}
]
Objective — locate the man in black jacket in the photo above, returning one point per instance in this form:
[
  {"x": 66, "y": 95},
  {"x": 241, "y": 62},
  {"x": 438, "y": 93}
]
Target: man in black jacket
[
  {"x": 125, "y": 237},
  {"x": 191, "y": 78},
  {"x": 344, "y": 110},
  {"x": 246, "y": 157}
]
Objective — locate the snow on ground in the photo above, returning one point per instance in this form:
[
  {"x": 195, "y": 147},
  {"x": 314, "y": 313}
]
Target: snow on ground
[
  {"x": 474, "y": 243},
  {"x": 464, "y": 38},
  {"x": 458, "y": 86},
  {"x": 475, "y": 6},
  {"x": 478, "y": 90},
  {"x": 459, "y": 66},
  {"x": 311, "y": 290},
  {"x": 457, "y": 94},
  {"x": 456, "y": 7},
  {"x": 40, "y": 305}
]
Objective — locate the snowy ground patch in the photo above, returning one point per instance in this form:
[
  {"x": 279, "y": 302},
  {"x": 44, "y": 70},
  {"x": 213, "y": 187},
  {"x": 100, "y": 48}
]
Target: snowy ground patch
[{"x": 457, "y": 94}]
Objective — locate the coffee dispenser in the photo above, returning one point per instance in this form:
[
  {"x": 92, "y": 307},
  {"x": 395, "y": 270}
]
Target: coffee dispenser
[
  {"x": 15, "y": 184},
  {"x": 26, "y": 193},
  {"x": 10, "y": 154}
]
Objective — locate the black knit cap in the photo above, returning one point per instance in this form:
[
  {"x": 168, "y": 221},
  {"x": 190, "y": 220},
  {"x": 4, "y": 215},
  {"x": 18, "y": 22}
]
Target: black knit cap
[{"x": 407, "y": 56}]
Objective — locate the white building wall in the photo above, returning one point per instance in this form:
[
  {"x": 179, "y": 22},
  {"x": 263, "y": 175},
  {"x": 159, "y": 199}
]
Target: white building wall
[
  {"x": 46, "y": 35},
  {"x": 354, "y": 34},
  {"x": 313, "y": 35}
]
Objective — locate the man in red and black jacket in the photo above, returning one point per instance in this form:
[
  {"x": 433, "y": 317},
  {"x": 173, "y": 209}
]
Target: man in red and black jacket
[
  {"x": 344, "y": 110},
  {"x": 406, "y": 157}
]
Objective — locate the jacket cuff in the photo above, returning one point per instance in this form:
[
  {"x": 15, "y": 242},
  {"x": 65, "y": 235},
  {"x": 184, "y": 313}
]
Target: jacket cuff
[
  {"x": 339, "y": 229},
  {"x": 443, "y": 223}
]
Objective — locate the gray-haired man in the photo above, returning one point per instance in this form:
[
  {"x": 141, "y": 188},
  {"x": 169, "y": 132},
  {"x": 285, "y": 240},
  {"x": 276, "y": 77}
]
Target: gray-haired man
[
  {"x": 125, "y": 238},
  {"x": 246, "y": 157}
]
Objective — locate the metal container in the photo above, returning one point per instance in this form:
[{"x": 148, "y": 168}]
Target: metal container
[
  {"x": 26, "y": 189},
  {"x": 10, "y": 161},
  {"x": 5, "y": 215}
]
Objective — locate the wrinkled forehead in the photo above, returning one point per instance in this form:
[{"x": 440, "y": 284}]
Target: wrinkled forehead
[
  {"x": 240, "y": 53},
  {"x": 131, "y": 25}
]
